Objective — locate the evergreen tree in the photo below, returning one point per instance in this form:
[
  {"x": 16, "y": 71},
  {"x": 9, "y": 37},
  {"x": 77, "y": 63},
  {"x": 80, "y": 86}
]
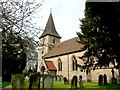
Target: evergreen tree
[
  {"x": 13, "y": 55},
  {"x": 101, "y": 34}
]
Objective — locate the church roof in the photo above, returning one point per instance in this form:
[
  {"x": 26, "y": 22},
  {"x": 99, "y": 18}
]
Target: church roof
[
  {"x": 50, "y": 28},
  {"x": 50, "y": 65},
  {"x": 66, "y": 47}
]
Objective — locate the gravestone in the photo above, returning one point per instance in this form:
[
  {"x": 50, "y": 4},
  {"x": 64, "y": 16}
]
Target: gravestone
[
  {"x": 80, "y": 82},
  {"x": 0, "y": 79},
  {"x": 113, "y": 79},
  {"x": 118, "y": 77},
  {"x": 100, "y": 80},
  {"x": 48, "y": 82},
  {"x": 74, "y": 82},
  {"x": 55, "y": 78},
  {"x": 58, "y": 77},
  {"x": 61, "y": 77},
  {"x": 34, "y": 80},
  {"x": 17, "y": 81},
  {"x": 65, "y": 80},
  {"x": 113, "y": 76},
  {"x": 105, "y": 79}
]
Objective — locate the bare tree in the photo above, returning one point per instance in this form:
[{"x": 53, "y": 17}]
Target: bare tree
[{"x": 17, "y": 19}]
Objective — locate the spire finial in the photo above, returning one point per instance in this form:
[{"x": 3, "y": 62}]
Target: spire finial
[{"x": 50, "y": 10}]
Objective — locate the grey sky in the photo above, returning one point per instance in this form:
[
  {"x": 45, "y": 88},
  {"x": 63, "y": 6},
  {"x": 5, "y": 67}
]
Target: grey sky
[{"x": 66, "y": 15}]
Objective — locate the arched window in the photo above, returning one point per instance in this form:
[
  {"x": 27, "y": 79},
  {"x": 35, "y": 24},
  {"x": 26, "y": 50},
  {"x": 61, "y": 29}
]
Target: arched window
[
  {"x": 59, "y": 65},
  {"x": 74, "y": 63}
]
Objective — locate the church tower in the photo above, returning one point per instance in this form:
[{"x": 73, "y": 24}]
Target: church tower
[{"x": 47, "y": 41}]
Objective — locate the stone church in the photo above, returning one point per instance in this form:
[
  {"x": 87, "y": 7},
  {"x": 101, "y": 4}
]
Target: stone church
[{"x": 61, "y": 58}]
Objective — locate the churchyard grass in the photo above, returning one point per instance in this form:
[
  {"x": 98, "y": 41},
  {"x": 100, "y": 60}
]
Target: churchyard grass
[
  {"x": 95, "y": 85},
  {"x": 4, "y": 84},
  {"x": 60, "y": 84}
]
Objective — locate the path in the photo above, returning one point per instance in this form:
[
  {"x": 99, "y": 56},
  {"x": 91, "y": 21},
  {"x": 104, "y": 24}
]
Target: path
[{"x": 7, "y": 87}]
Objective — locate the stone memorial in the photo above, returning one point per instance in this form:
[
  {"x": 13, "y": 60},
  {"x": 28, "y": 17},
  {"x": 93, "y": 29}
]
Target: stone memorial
[
  {"x": 55, "y": 78},
  {"x": 105, "y": 79},
  {"x": 113, "y": 79},
  {"x": 34, "y": 81},
  {"x": 17, "y": 81},
  {"x": 65, "y": 80},
  {"x": 100, "y": 80},
  {"x": 74, "y": 82},
  {"x": 80, "y": 82},
  {"x": 0, "y": 79},
  {"x": 61, "y": 77},
  {"x": 48, "y": 82}
]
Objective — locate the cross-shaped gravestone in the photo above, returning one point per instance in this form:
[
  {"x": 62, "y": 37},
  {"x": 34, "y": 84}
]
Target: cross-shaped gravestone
[{"x": 48, "y": 82}]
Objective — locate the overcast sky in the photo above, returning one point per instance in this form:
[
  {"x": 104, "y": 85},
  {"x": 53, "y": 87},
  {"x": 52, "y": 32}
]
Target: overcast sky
[{"x": 66, "y": 15}]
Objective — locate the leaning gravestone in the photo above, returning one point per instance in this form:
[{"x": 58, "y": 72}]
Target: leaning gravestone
[{"x": 48, "y": 82}]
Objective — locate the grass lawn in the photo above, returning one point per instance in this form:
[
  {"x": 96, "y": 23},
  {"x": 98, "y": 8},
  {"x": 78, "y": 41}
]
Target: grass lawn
[
  {"x": 92, "y": 85},
  {"x": 95, "y": 85},
  {"x": 60, "y": 84},
  {"x": 4, "y": 84}
]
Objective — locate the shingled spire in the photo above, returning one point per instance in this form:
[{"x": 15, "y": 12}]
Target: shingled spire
[{"x": 50, "y": 28}]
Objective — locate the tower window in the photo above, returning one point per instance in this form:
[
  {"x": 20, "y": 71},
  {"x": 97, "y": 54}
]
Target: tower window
[{"x": 54, "y": 41}]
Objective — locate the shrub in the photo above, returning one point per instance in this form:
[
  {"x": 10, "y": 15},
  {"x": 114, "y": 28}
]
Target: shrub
[{"x": 25, "y": 72}]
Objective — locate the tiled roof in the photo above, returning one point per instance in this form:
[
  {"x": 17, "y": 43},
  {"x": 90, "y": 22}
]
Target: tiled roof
[
  {"x": 50, "y": 65},
  {"x": 66, "y": 47},
  {"x": 50, "y": 28}
]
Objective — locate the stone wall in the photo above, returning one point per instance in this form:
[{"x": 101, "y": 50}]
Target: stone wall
[{"x": 95, "y": 74}]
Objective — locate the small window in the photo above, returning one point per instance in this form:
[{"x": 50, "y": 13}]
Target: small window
[
  {"x": 74, "y": 63},
  {"x": 59, "y": 65},
  {"x": 53, "y": 40}
]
